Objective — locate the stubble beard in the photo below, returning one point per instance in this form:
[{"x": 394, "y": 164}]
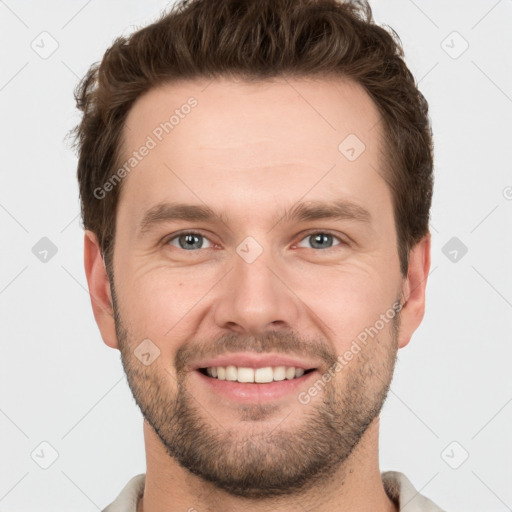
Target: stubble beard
[{"x": 264, "y": 459}]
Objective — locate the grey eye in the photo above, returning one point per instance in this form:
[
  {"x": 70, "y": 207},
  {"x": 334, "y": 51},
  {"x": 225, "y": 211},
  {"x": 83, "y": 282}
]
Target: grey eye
[
  {"x": 189, "y": 241},
  {"x": 320, "y": 240}
]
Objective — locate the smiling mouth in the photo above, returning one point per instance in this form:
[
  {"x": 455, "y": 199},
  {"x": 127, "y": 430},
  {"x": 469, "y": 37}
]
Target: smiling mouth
[{"x": 262, "y": 375}]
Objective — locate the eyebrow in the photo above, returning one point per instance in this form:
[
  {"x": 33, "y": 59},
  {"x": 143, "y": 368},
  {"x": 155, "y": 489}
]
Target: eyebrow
[
  {"x": 336, "y": 210},
  {"x": 300, "y": 212}
]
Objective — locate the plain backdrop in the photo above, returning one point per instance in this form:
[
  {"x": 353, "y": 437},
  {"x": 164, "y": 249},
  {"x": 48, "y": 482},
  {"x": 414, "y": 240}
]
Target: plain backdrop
[{"x": 64, "y": 401}]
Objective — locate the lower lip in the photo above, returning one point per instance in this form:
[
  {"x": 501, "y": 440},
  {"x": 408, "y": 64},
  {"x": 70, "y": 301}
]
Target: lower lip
[{"x": 251, "y": 392}]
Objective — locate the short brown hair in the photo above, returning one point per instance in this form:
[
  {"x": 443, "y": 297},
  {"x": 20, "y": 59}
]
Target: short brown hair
[{"x": 258, "y": 40}]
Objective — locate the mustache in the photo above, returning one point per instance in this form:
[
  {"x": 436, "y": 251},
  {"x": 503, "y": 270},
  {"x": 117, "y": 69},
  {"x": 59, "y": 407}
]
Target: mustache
[{"x": 281, "y": 342}]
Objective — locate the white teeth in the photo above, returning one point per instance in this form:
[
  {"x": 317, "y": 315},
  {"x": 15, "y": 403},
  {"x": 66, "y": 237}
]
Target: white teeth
[
  {"x": 245, "y": 375},
  {"x": 258, "y": 375},
  {"x": 290, "y": 373},
  {"x": 279, "y": 373},
  {"x": 231, "y": 372},
  {"x": 262, "y": 375}
]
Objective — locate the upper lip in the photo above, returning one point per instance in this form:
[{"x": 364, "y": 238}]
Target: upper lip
[{"x": 253, "y": 360}]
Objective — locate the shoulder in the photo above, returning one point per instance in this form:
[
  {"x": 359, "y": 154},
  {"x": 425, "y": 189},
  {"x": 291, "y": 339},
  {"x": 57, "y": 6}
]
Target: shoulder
[
  {"x": 399, "y": 489},
  {"x": 129, "y": 496}
]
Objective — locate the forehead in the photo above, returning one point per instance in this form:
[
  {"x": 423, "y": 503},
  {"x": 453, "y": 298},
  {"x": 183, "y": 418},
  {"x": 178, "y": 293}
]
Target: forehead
[
  {"x": 252, "y": 142},
  {"x": 228, "y": 113}
]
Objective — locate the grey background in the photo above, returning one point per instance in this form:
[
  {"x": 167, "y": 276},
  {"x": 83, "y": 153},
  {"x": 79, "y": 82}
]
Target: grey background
[{"x": 60, "y": 385}]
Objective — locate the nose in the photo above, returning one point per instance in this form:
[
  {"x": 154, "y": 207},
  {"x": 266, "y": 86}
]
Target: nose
[{"x": 255, "y": 298}]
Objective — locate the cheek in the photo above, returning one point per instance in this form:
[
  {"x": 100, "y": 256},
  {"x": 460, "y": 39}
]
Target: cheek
[
  {"x": 162, "y": 303},
  {"x": 159, "y": 302},
  {"x": 345, "y": 301}
]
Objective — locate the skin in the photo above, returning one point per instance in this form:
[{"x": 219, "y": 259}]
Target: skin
[{"x": 249, "y": 151}]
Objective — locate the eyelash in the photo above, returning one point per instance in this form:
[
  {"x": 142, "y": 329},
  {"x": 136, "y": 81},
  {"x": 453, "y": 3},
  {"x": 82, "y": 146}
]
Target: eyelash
[{"x": 306, "y": 235}]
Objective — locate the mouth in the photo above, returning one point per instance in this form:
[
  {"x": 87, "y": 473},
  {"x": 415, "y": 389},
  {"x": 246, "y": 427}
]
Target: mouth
[
  {"x": 254, "y": 385},
  {"x": 263, "y": 375}
]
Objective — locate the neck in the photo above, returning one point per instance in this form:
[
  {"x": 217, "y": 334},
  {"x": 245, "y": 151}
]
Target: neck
[{"x": 355, "y": 485}]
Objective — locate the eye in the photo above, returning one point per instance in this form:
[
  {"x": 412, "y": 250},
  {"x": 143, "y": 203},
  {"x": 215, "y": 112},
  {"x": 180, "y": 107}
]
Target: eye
[
  {"x": 189, "y": 240},
  {"x": 321, "y": 240}
]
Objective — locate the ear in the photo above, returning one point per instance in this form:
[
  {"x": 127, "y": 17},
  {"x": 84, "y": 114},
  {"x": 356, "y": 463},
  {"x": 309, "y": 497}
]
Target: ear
[
  {"x": 99, "y": 289},
  {"x": 413, "y": 289}
]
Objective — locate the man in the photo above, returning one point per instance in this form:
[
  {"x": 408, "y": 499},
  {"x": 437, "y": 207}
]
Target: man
[{"x": 256, "y": 180}]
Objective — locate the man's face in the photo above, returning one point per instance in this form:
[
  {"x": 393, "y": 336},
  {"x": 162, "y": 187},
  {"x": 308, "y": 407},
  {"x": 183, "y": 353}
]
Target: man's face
[{"x": 257, "y": 280}]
